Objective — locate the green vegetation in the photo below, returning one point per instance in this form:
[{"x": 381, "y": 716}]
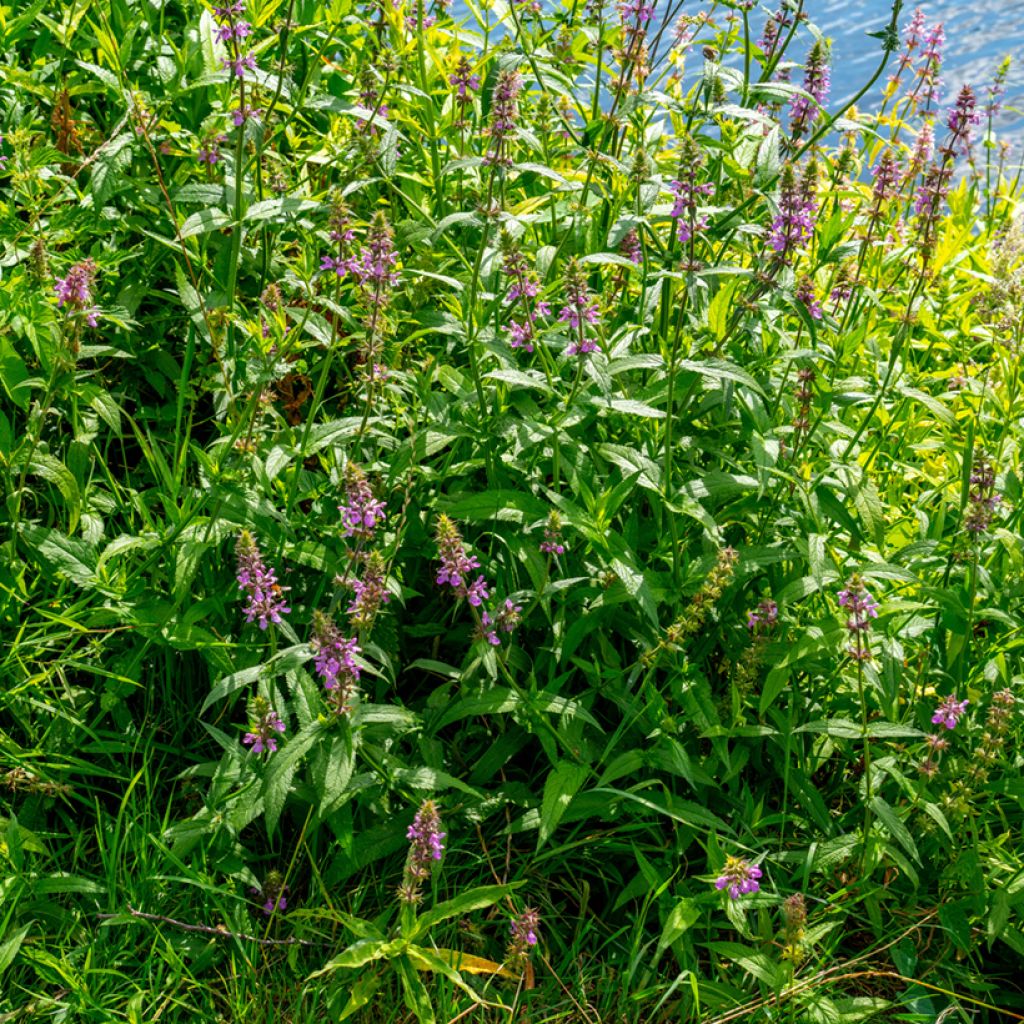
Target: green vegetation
[{"x": 513, "y": 518}]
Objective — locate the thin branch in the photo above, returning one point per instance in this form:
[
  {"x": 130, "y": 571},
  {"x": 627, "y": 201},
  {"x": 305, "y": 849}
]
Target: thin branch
[{"x": 219, "y": 931}]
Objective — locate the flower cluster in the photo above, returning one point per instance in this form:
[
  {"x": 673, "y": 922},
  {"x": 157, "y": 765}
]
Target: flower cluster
[
  {"x": 862, "y": 608},
  {"x": 763, "y": 617},
  {"x": 773, "y": 29},
  {"x": 454, "y": 570},
  {"x": 466, "y": 83},
  {"x": 522, "y": 296},
  {"x": 523, "y": 937},
  {"x": 335, "y": 662},
  {"x": 265, "y": 597},
  {"x": 931, "y": 63},
  {"x": 504, "y": 620},
  {"x": 761, "y": 623},
  {"x": 806, "y": 296},
  {"x": 426, "y": 846},
  {"x": 232, "y": 31},
  {"x": 739, "y": 877},
  {"x": 504, "y": 115},
  {"x": 888, "y": 177},
  {"x": 817, "y": 80},
  {"x": 993, "y": 739},
  {"x": 794, "y": 921},
  {"x": 579, "y": 311},
  {"x": 264, "y": 727},
  {"x": 552, "y": 542},
  {"x": 963, "y": 117},
  {"x": 798, "y": 208},
  {"x": 804, "y": 395},
  {"x": 455, "y": 565},
  {"x": 371, "y": 592},
  {"x": 361, "y": 512},
  {"x": 272, "y": 894},
  {"x": 74, "y": 292},
  {"x": 692, "y": 620},
  {"x": 982, "y": 500},
  {"x": 949, "y": 712}
]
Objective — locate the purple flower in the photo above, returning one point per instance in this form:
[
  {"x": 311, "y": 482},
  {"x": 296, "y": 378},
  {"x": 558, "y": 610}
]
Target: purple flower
[
  {"x": 262, "y": 736},
  {"x": 552, "y": 542},
  {"x": 798, "y": 208},
  {"x": 75, "y": 290},
  {"x": 805, "y": 295},
  {"x": 375, "y": 264},
  {"x": 371, "y": 592},
  {"x": 949, "y": 712},
  {"x": 335, "y": 661},
  {"x": 488, "y": 629},
  {"x": 862, "y": 608},
  {"x": 522, "y": 292},
  {"x": 580, "y": 310},
  {"x": 504, "y": 114},
  {"x": 739, "y": 877},
  {"x": 238, "y": 66},
  {"x": 817, "y": 80},
  {"x": 242, "y": 114},
  {"x": 763, "y": 617},
  {"x": 265, "y": 597},
  {"x": 477, "y": 592},
  {"x": 931, "y": 63},
  {"x": 271, "y": 905},
  {"x": 631, "y": 248},
  {"x": 524, "y": 936},
  {"x": 455, "y": 563},
  {"x": 962, "y": 118},
  {"x": 996, "y": 90},
  {"x": 426, "y": 841},
  {"x": 982, "y": 500},
  {"x": 465, "y": 82},
  {"x": 888, "y": 176},
  {"x": 361, "y": 512},
  {"x": 509, "y": 616}
]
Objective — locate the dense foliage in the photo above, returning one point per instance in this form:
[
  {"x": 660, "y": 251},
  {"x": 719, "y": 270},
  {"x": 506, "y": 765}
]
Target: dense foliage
[{"x": 509, "y": 514}]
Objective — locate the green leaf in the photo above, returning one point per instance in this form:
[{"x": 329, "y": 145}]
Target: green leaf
[
  {"x": 359, "y": 954},
  {"x": 414, "y": 991},
  {"x": 464, "y": 903},
  {"x": 895, "y": 827},
  {"x": 10, "y": 946},
  {"x": 560, "y": 787},
  {"x": 202, "y": 222},
  {"x": 281, "y": 767},
  {"x": 71, "y": 556},
  {"x": 55, "y": 472},
  {"x": 13, "y": 373},
  {"x": 683, "y": 916}
]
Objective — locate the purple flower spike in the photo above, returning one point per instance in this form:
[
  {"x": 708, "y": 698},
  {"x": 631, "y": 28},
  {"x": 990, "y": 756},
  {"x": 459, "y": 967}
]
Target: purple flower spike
[
  {"x": 524, "y": 937},
  {"x": 267, "y": 722},
  {"x": 361, "y": 512},
  {"x": 270, "y": 906},
  {"x": 75, "y": 291},
  {"x": 456, "y": 564},
  {"x": 739, "y": 877},
  {"x": 265, "y": 597},
  {"x": 798, "y": 207},
  {"x": 949, "y": 712},
  {"x": 426, "y": 840}
]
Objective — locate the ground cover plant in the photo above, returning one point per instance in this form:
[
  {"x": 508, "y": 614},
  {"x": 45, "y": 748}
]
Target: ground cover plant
[{"x": 510, "y": 513}]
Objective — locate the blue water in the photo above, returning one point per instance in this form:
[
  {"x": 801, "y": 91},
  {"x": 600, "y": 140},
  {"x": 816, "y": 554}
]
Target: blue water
[{"x": 979, "y": 33}]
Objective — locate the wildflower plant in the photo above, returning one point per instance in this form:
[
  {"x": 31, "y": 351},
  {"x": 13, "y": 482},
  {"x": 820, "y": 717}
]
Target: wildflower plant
[{"x": 558, "y": 462}]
